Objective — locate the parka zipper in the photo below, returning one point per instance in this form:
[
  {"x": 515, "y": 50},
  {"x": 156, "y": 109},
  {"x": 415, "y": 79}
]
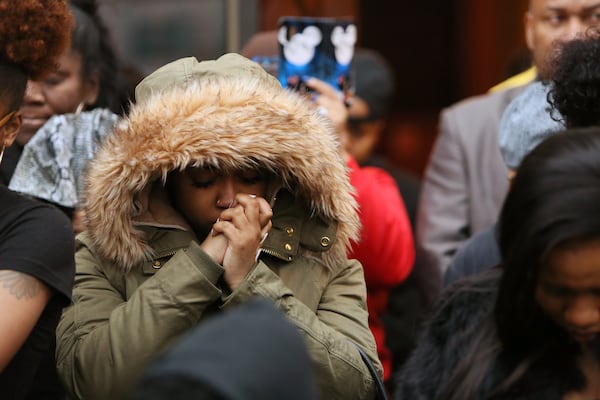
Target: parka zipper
[
  {"x": 276, "y": 254},
  {"x": 169, "y": 254}
]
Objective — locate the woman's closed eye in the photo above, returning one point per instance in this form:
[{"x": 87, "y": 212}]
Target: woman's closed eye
[
  {"x": 55, "y": 78},
  {"x": 202, "y": 178},
  {"x": 250, "y": 177},
  {"x": 203, "y": 184}
]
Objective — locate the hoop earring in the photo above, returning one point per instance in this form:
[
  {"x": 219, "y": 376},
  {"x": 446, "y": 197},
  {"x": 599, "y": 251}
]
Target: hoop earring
[
  {"x": 80, "y": 107},
  {"x": 1, "y": 154}
]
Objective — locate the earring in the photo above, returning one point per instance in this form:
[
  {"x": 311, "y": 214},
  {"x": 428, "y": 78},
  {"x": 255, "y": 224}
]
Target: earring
[
  {"x": 1, "y": 154},
  {"x": 80, "y": 108}
]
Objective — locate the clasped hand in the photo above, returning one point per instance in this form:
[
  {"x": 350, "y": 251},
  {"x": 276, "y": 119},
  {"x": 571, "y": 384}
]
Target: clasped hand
[{"x": 237, "y": 235}]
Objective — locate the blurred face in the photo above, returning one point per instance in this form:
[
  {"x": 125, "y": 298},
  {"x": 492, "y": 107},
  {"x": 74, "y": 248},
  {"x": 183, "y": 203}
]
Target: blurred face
[
  {"x": 550, "y": 22},
  {"x": 568, "y": 289},
  {"x": 60, "y": 92},
  {"x": 201, "y": 194},
  {"x": 364, "y": 134}
]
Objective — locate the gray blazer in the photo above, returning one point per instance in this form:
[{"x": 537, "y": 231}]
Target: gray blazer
[{"x": 466, "y": 179}]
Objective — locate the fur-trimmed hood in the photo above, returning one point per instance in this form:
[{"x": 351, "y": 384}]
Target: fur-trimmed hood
[{"x": 230, "y": 121}]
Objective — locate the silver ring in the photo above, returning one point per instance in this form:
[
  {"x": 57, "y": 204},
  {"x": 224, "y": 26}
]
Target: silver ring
[{"x": 322, "y": 111}]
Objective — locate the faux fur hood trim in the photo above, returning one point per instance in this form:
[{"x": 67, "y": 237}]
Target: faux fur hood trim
[{"x": 225, "y": 123}]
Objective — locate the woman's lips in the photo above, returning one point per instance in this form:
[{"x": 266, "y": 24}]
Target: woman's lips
[
  {"x": 33, "y": 123},
  {"x": 31, "y": 120},
  {"x": 29, "y": 127}
]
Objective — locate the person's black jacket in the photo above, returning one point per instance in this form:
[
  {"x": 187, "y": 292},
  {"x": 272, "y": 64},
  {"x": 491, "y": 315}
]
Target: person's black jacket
[{"x": 448, "y": 336}]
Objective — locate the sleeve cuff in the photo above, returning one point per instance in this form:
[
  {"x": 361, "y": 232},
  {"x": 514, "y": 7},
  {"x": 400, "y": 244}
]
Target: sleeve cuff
[{"x": 211, "y": 270}]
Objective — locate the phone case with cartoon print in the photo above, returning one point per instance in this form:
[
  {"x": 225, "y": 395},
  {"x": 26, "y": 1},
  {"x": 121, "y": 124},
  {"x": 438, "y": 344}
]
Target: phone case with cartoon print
[{"x": 316, "y": 47}]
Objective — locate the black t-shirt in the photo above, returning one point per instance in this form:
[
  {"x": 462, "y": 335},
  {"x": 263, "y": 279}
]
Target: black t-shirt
[
  {"x": 9, "y": 163},
  {"x": 36, "y": 239}
]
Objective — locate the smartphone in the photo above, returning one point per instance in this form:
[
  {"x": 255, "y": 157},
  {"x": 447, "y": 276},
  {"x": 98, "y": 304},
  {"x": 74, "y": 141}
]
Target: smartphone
[{"x": 322, "y": 48}]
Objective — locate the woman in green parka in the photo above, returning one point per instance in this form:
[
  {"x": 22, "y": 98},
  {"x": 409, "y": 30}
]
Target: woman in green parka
[{"x": 220, "y": 186}]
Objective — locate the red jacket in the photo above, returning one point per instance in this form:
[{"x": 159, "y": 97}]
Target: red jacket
[{"x": 385, "y": 249}]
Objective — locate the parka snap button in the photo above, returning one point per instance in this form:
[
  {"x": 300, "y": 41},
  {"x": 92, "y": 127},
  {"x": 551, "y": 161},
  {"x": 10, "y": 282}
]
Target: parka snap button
[
  {"x": 156, "y": 265},
  {"x": 325, "y": 241},
  {"x": 288, "y": 247},
  {"x": 289, "y": 231}
]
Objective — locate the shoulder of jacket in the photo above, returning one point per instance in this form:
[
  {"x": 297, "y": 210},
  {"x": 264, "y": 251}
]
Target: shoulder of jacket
[
  {"x": 161, "y": 240},
  {"x": 519, "y": 79},
  {"x": 487, "y": 102},
  {"x": 467, "y": 301}
]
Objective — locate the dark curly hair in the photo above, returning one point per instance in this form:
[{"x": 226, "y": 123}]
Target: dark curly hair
[
  {"x": 575, "y": 89},
  {"x": 33, "y": 34}
]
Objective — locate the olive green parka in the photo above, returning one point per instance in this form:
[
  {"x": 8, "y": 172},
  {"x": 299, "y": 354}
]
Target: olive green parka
[{"x": 142, "y": 279}]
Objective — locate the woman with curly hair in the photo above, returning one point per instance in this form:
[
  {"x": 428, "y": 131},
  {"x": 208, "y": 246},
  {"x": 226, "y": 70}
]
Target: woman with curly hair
[
  {"x": 85, "y": 78},
  {"x": 36, "y": 240},
  {"x": 66, "y": 115}
]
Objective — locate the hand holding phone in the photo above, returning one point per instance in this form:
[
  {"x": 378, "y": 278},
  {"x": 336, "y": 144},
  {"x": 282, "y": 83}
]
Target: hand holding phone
[{"x": 327, "y": 98}]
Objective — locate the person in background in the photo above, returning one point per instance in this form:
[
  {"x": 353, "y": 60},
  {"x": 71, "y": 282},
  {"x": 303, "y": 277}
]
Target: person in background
[
  {"x": 385, "y": 248},
  {"x": 214, "y": 361},
  {"x": 526, "y": 122},
  {"x": 374, "y": 89},
  {"x": 67, "y": 115},
  {"x": 36, "y": 241},
  {"x": 570, "y": 99},
  {"x": 373, "y": 92},
  {"x": 465, "y": 180},
  {"x": 408, "y": 302},
  {"x": 528, "y": 329},
  {"x": 87, "y": 78},
  {"x": 212, "y": 192},
  {"x": 53, "y": 163}
]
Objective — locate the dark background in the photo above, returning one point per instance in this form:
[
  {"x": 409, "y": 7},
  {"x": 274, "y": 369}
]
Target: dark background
[{"x": 441, "y": 50}]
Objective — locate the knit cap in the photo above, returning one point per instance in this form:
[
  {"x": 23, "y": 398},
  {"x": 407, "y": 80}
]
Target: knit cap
[{"x": 252, "y": 352}]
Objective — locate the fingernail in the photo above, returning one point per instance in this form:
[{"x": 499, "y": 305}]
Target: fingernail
[
  {"x": 264, "y": 237},
  {"x": 252, "y": 195}
]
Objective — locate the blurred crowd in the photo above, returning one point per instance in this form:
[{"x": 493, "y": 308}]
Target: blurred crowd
[{"x": 207, "y": 231}]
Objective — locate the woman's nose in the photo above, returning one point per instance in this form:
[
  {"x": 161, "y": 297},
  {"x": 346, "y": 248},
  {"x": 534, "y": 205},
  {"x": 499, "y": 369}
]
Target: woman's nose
[
  {"x": 33, "y": 92},
  {"x": 583, "y": 314},
  {"x": 226, "y": 193}
]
